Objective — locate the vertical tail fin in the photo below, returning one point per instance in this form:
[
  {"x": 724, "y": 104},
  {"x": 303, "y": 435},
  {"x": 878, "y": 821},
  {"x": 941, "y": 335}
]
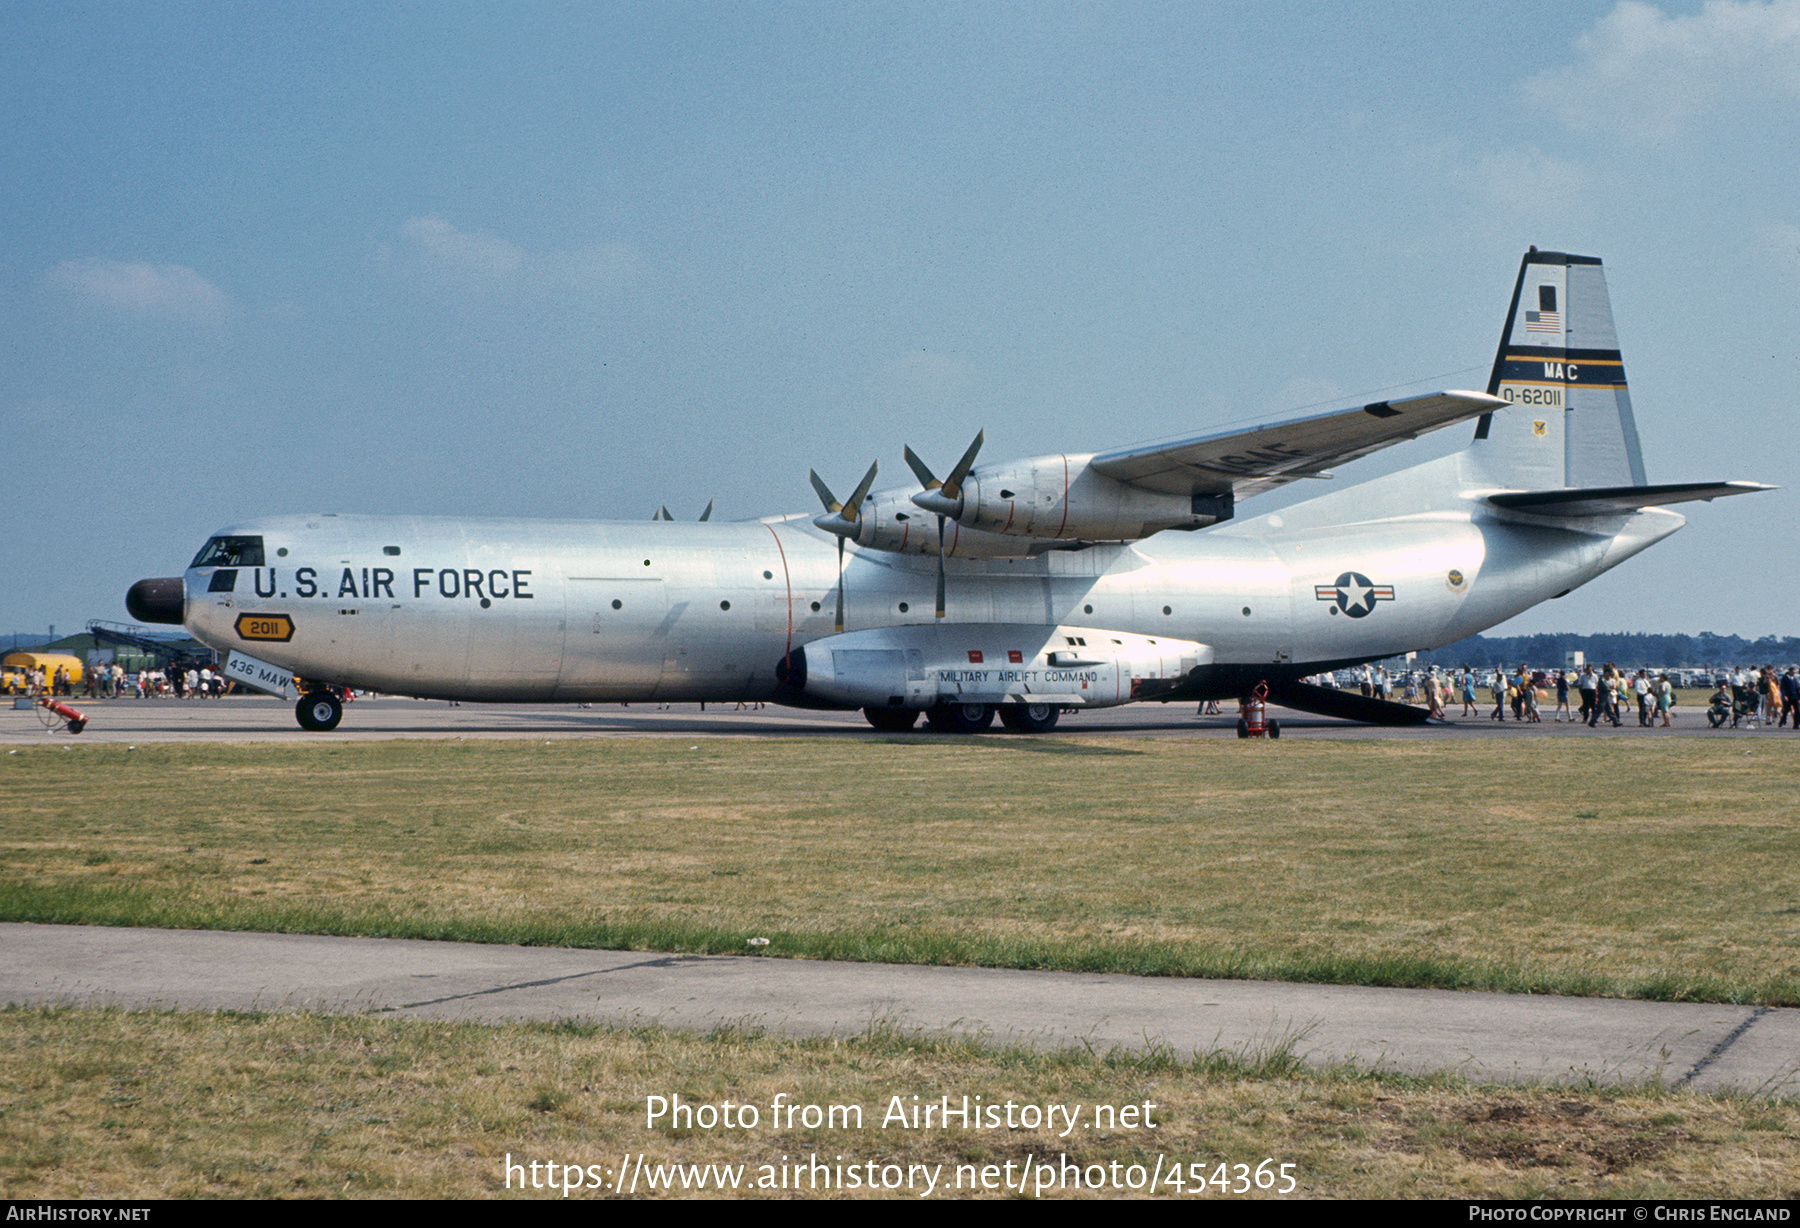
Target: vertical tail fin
[{"x": 1559, "y": 364}]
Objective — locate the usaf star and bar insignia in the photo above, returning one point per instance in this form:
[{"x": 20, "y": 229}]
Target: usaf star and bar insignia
[{"x": 1354, "y": 593}]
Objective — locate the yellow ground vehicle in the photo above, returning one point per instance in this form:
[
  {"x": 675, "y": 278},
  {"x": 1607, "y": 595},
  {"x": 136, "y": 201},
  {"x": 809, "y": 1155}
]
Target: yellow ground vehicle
[{"x": 15, "y": 669}]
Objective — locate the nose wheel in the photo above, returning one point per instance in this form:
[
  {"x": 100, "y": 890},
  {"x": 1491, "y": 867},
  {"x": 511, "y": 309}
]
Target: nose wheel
[{"x": 319, "y": 711}]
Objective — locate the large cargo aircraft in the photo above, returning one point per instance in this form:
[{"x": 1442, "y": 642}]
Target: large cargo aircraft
[{"x": 1028, "y": 589}]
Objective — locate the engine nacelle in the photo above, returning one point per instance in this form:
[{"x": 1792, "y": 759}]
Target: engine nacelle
[
  {"x": 1001, "y": 663},
  {"x": 1061, "y": 497},
  {"x": 890, "y": 521}
]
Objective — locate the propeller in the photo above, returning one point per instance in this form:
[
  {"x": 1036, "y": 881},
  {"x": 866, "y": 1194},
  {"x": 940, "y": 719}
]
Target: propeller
[
  {"x": 843, "y": 520},
  {"x": 944, "y": 498},
  {"x": 663, "y": 512}
]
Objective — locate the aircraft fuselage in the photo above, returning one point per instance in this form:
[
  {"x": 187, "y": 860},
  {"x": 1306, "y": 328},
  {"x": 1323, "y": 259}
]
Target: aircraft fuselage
[{"x": 521, "y": 610}]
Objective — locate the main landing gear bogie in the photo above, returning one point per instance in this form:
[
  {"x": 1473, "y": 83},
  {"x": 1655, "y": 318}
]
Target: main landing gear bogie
[
  {"x": 1029, "y": 718},
  {"x": 319, "y": 711},
  {"x": 974, "y": 718},
  {"x": 967, "y": 718},
  {"x": 959, "y": 718}
]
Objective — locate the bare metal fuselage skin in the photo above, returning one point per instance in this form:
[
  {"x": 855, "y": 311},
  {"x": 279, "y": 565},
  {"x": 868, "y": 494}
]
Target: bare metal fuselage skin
[{"x": 524, "y": 610}]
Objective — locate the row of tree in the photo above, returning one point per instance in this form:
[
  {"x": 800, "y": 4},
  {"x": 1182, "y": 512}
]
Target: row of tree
[{"x": 1659, "y": 651}]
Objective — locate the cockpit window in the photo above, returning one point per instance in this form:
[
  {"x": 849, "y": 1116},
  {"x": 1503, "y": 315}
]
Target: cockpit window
[{"x": 230, "y": 552}]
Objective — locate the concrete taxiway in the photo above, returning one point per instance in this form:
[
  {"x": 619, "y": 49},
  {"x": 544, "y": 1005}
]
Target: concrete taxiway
[
  {"x": 263, "y": 718},
  {"x": 1497, "y": 1037}
]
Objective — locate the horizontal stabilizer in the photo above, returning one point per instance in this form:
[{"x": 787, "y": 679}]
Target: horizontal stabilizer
[
  {"x": 1617, "y": 500},
  {"x": 1348, "y": 705}
]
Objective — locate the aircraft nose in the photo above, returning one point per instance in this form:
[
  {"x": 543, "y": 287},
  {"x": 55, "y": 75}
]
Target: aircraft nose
[{"x": 156, "y": 601}]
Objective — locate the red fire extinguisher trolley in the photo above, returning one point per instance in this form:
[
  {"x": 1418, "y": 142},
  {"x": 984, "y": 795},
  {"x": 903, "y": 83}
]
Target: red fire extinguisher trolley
[
  {"x": 1253, "y": 714},
  {"x": 51, "y": 712}
]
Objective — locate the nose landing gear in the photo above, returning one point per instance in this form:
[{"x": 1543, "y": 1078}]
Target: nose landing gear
[{"x": 319, "y": 711}]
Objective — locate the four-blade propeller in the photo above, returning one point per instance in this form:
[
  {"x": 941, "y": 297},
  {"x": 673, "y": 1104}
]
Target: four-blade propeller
[
  {"x": 944, "y": 498},
  {"x": 843, "y": 520}
]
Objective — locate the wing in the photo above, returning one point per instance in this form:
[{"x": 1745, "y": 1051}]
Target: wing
[{"x": 1264, "y": 457}]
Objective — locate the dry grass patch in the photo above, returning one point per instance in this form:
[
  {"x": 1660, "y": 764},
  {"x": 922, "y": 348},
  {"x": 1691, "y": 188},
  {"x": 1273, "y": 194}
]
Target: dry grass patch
[
  {"x": 108, "y": 1104},
  {"x": 1665, "y": 867}
]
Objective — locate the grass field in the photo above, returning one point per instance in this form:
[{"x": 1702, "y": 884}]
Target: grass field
[
  {"x": 1660, "y": 868},
  {"x": 108, "y": 1104}
]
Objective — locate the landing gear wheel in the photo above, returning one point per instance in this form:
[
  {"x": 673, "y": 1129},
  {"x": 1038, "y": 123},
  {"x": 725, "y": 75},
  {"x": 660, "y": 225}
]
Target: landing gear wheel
[
  {"x": 1030, "y": 718},
  {"x": 891, "y": 720},
  {"x": 319, "y": 711},
  {"x": 960, "y": 718}
]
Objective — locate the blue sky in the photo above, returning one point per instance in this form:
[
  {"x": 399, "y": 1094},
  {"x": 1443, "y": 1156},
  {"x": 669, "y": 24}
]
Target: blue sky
[{"x": 582, "y": 261}]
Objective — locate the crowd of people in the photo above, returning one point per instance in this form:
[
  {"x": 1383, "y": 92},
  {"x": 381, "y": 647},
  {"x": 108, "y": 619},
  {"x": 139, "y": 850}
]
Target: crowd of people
[
  {"x": 1587, "y": 695},
  {"x": 1768, "y": 696},
  {"x": 113, "y": 681},
  {"x": 38, "y": 681},
  {"x": 1606, "y": 694}
]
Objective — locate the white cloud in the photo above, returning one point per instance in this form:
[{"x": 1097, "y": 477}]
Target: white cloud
[
  {"x": 1648, "y": 75},
  {"x": 1525, "y": 180},
  {"x": 473, "y": 252},
  {"x": 169, "y": 290},
  {"x": 480, "y": 257}
]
